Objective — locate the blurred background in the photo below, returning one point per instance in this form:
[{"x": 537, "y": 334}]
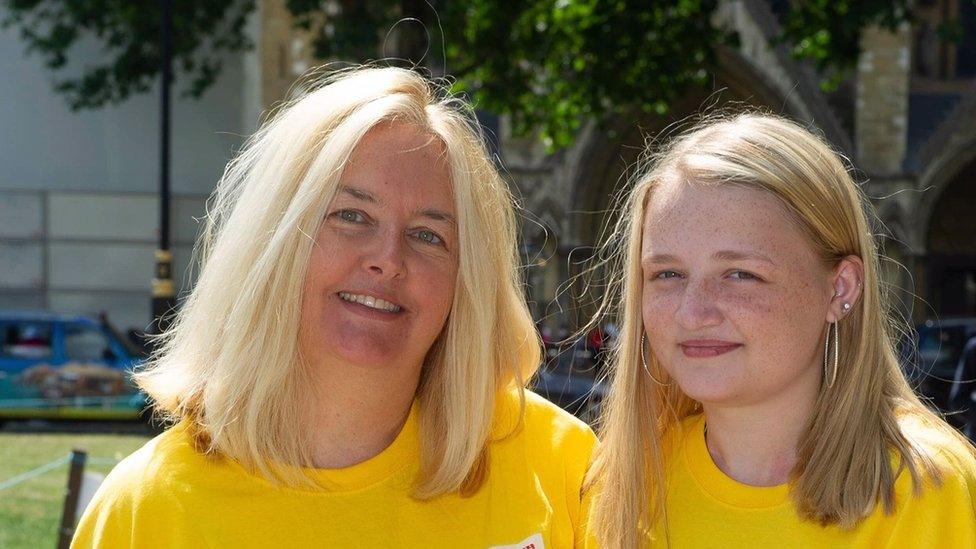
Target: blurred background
[{"x": 107, "y": 158}]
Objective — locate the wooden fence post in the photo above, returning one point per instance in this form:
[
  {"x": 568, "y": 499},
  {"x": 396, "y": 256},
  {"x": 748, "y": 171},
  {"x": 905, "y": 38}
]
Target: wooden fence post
[{"x": 67, "y": 528}]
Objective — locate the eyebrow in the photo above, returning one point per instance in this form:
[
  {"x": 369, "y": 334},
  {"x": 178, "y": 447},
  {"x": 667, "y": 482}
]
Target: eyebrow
[
  {"x": 359, "y": 194},
  {"x": 430, "y": 213},
  {"x": 660, "y": 258},
  {"x": 439, "y": 215},
  {"x": 733, "y": 255},
  {"x": 725, "y": 255}
]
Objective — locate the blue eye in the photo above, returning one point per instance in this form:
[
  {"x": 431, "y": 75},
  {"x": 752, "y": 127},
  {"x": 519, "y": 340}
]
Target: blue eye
[
  {"x": 429, "y": 237},
  {"x": 350, "y": 216},
  {"x": 663, "y": 275},
  {"x": 743, "y": 275}
]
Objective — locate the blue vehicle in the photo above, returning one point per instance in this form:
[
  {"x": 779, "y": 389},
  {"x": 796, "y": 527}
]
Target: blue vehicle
[{"x": 65, "y": 367}]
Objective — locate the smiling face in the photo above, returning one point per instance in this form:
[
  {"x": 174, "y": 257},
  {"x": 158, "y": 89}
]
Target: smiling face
[
  {"x": 735, "y": 299},
  {"x": 381, "y": 275}
]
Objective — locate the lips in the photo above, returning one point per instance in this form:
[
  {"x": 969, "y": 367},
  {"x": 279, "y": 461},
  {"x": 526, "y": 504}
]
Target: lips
[{"x": 706, "y": 348}]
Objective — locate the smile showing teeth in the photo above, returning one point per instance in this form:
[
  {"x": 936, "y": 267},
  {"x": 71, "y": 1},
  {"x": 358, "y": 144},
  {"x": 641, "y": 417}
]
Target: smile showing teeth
[{"x": 370, "y": 301}]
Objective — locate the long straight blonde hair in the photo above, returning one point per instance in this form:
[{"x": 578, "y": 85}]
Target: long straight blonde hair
[
  {"x": 844, "y": 467},
  {"x": 230, "y": 366}
]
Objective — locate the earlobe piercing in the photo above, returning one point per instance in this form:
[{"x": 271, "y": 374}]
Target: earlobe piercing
[{"x": 846, "y": 306}]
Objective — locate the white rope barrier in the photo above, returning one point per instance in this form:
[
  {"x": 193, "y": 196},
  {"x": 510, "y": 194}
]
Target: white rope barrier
[
  {"x": 47, "y": 467},
  {"x": 24, "y": 477}
]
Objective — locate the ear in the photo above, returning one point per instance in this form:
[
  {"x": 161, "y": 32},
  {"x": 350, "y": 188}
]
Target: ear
[{"x": 845, "y": 281}]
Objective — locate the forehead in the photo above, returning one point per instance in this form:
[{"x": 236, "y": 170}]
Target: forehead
[
  {"x": 401, "y": 163},
  {"x": 685, "y": 219}
]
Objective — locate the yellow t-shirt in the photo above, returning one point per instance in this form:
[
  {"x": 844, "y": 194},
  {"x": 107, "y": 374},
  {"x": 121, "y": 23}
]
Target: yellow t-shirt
[
  {"x": 168, "y": 495},
  {"x": 706, "y": 508}
]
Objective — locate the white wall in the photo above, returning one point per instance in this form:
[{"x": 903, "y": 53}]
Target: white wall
[
  {"x": 78, "y": 190},
  {"x": 87, "y": 252},
  {"x": 43, "y": 144}
]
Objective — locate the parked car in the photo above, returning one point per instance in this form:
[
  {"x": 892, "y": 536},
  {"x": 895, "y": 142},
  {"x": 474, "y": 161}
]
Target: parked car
[
  {"x": 56, "y": 366},
  {"x": 940, "y": 345}
]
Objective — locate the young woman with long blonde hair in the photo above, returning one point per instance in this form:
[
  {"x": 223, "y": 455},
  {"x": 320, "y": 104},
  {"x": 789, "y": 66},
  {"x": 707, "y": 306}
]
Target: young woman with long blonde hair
[
  {"x": 757, "y": 398},
  {"x": 349, "y": 369}
]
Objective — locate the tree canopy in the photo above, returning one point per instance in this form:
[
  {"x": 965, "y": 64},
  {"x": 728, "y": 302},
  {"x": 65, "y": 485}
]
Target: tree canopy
[{"x": 550, "y": 64}]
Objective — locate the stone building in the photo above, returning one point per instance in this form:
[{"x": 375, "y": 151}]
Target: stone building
[
  {"x": 906, "y": 119},
  {"x": 78, "y": 202}
]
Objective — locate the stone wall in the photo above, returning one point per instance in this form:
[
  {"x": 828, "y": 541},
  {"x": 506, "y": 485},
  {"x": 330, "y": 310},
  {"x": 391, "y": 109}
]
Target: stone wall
[{"x": 882, "y": 100}]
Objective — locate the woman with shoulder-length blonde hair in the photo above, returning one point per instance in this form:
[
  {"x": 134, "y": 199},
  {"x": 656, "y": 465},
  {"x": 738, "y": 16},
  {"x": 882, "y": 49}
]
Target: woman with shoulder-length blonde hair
[
  {"x": 757, "y": 398},
  {"x": 349, "y": 369}
]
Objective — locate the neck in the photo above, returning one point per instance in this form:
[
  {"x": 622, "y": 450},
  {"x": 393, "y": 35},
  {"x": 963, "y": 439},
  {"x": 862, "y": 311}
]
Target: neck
[
  {"x": 359, "y": 411},
  {"x": 756, "y": 444}
]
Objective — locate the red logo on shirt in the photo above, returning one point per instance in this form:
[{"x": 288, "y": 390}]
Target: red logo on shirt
[{"x": 534, "y": 541}]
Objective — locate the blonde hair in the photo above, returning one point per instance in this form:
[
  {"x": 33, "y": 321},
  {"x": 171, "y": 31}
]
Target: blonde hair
[
  {"x": 230, "y": 365},
  {"x": 844, "y": 466}
]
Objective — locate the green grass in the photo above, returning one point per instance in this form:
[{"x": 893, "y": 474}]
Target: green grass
[{"x": 30, "y": 512}]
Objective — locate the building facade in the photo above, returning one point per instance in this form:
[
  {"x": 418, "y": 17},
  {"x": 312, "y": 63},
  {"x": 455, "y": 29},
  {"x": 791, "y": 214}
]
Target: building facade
[
  {"x": 906, "y": 119},
  {"x": 79, "y": 200},
  {"x": 79, "y": 191}
]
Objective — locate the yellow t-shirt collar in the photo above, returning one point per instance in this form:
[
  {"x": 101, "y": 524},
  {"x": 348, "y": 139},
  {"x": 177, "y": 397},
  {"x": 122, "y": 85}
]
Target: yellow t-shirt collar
[
  {"x": 716, "y": 483},
  {"x": 403, "y": 451}
]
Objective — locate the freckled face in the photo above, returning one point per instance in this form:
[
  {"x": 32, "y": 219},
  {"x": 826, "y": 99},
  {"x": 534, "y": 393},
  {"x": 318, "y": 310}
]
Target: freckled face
[
  {"x": 381, "y": 276},
  {"x": 734, "y": 296}
]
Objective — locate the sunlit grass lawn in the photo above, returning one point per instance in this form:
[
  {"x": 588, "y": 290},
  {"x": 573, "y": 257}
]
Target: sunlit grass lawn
[{"x": 30, "y": 512}]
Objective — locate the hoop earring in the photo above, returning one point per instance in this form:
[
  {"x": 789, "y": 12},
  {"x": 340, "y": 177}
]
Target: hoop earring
[
  {"x": 644, "y": 363},
  {"x": 830, "y": 376}
]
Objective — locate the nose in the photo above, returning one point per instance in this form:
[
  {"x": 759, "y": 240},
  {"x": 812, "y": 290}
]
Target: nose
[
  {"x": 386, "y": 257},
  {"x": 697, "y": 308}
]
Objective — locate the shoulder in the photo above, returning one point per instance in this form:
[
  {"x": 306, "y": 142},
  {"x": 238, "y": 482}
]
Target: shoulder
[
  {"x": 148, "y": 483},
  {"x": 137, "y": 473},
  {"x": 947, "y": 448},
  {"x": 167, "y": 459},
  {"x": 539, "y": 434},
  {"x": 541, "y": 422},
  {"x": 539, "y": 444},
  {"x": 954, "y": 460},
  {"x": 941, "y": 511}
]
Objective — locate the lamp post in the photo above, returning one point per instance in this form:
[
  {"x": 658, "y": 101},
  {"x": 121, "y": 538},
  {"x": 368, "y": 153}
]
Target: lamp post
[{"x": 163, "y": 289}]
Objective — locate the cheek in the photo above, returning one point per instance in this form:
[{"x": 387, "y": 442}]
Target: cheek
[
  {"x": 434, "y": 286},
  {"x": 778, "y": 326},
  {"x": 752, "y": 305},
  {"x": 324, "y": 266},
  {"x": 762, "y": 317},
  {"x": 658, "y": 309},
  {"x": 800, "y": 316},
  {"x": 329, "y": 262},
  {"x": 787, "y": 308}
]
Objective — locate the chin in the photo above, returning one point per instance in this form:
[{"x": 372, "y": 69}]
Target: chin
[
  {"x": 708, "y": 388},
  {"x": 709, "y": 395},
  {"x": 367, "y": 355}
]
